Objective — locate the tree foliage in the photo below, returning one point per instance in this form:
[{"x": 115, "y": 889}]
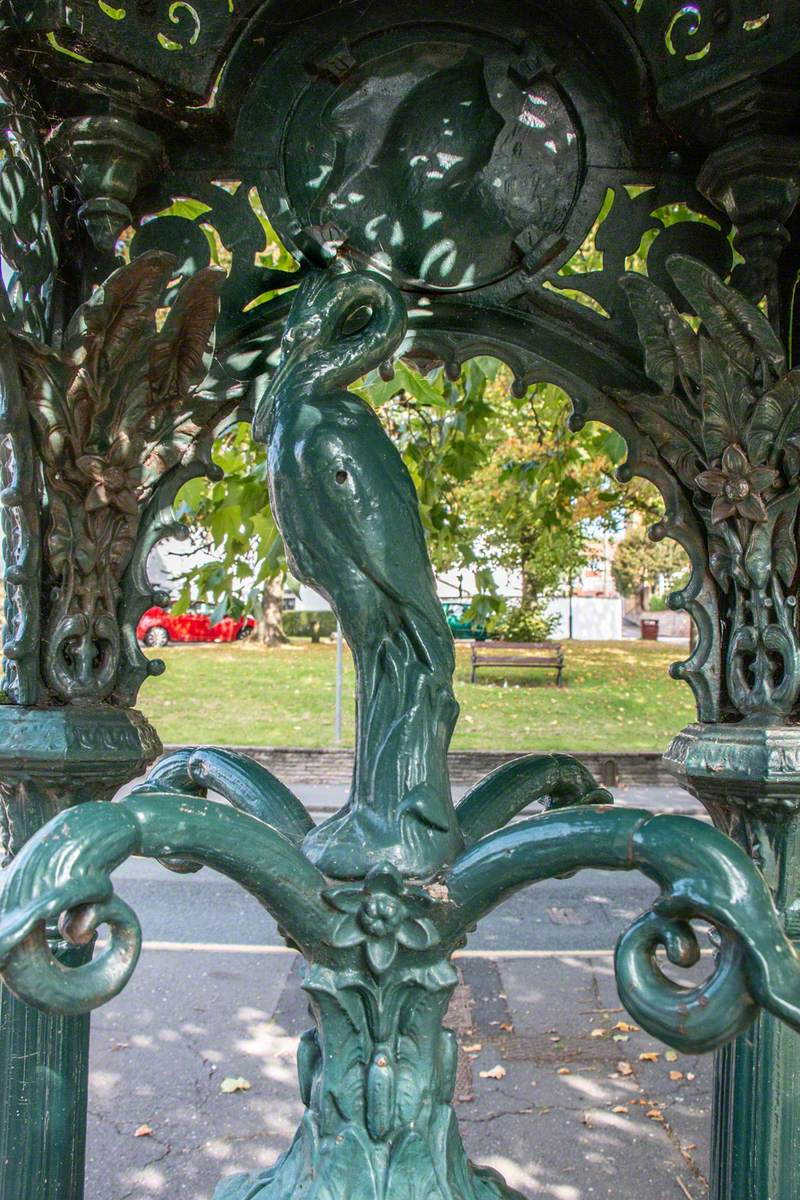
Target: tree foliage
[
  {"x": 231, "y": 519},
  {"x": 502, "y": 483},
  {"x": 641, "y": 563}
]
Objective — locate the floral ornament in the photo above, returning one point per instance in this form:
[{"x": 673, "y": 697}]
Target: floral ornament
[
  {"x": 383, "y": 913},
  {"x": 114, "y": 483},
  {"x": 737, "y": 487}
]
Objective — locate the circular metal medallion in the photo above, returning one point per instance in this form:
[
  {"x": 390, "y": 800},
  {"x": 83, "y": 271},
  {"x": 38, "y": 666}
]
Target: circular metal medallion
[{"x": 445, "y": 153}]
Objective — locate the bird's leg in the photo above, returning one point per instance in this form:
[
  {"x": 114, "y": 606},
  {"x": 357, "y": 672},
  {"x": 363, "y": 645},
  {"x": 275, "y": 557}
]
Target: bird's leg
[{"x": 400, "y": 808}]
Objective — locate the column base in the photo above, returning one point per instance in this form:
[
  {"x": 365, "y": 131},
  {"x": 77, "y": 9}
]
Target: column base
[
  {"x": 52, "y": 759},
  {"x": 349, "y": 1166},
  {"x": 748, "y": 778}
]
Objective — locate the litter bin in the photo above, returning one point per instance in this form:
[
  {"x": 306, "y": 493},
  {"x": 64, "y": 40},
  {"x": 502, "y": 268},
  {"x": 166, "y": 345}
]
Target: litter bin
[{"x": 649, "y": 628}]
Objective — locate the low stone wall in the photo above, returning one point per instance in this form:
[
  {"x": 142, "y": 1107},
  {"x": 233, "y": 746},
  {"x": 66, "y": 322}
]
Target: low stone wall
[{"x": 293, "y": 765}]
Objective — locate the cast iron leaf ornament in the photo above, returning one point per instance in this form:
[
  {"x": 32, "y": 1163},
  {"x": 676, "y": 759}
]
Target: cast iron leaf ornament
[
  {"x": 728, "y": 424},
  {"x": 382, "y": 913},
  {"x": 113, "y": 412}
]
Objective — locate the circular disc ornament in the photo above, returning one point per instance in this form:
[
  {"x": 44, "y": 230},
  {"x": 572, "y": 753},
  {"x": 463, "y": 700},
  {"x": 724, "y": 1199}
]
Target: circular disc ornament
[{"x": 446, "y": 155}]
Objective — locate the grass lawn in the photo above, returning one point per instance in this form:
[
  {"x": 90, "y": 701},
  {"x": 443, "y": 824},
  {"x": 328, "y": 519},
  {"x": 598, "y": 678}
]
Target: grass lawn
[{"x": 616, "y": 696}]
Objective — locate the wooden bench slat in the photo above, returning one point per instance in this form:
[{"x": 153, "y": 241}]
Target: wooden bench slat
[
  {"x": 490, "y": 645},
  {"x": 518, "y": 662}
]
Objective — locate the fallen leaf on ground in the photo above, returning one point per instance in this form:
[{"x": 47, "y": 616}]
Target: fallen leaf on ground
[
  {"x": 624, "y": 1027},
  {"x": 671, "y": 1056},
  {"x": 690, "y": 1075},
  {"x": 497, "y": 1072},
  {"x": 119, "y": 1046},
  {"x": 620, "y": 1037},
  {"x": 507, "y": 1027},
  {"x": 675, "y": 1076},
  {"x": 473, "y": 1048},
  {"x": 624, "y": 1068},
  {"x": 620, "y": 1108},
  {"x": 564, "y": 1071},
  {"x": 143, "y": 1131},
  {"x": 648, "y": 1056},
  {"x": 654, "y": 1114},
  {"x": 237, "y": 1084},
  {"x": 598, "y": 1033}
]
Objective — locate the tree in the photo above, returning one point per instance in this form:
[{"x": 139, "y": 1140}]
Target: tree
[
  {"x": 502, "y": 482},
  {"x": 641, "y": 565},
  {"x": 544, "y": 492},
  {"x": 438, "y": 426},
  {"x": 232, "y": 518}
]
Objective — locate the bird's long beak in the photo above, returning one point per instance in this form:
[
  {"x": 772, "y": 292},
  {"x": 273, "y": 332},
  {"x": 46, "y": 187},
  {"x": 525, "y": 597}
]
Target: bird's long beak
[{"x": 265, "y": 402}]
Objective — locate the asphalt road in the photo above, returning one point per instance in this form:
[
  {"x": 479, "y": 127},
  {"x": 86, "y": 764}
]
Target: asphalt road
[{"x": 217, "y": 995}]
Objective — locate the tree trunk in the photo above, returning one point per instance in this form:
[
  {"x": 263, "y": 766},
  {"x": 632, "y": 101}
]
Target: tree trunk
[{"x": 270, "y": 619}]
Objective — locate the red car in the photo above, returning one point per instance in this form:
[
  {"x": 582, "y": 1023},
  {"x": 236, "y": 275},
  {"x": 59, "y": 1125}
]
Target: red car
[{"x": 157, "y": 628}]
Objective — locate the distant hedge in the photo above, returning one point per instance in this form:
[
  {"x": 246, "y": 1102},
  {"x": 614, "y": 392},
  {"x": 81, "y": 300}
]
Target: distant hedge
[{"x": 314, "y": 625}]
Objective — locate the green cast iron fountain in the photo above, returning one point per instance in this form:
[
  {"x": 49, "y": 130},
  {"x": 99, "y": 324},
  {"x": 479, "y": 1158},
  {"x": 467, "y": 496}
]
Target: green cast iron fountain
[{"x": 378, "y": 898}]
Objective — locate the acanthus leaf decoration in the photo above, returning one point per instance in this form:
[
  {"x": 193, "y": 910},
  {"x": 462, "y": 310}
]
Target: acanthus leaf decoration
[
  {"x": 728, "y": 424},
  {"x": 113, "y": 412}
]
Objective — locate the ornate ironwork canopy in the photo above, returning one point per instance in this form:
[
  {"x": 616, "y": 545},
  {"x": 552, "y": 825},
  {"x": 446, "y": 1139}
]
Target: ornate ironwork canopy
[{"x": 197, "y": 200}]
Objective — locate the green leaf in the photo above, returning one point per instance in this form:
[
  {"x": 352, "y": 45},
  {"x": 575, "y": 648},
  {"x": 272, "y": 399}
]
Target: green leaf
[
  {"x": 419, "y": 387},
  {"x": 190, "y": 209},
  {"x": 220, "y": 611},
  {"x": 775, "y": 419},
  {"x": 669, "y": 344},
  {"x": 740, "y": 330},
  {"x": 726, "y": 400}
]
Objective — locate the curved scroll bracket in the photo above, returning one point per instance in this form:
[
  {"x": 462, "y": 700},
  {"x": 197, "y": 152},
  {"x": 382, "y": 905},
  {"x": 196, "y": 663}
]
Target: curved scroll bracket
[
  {"x": 64, "y": 871},
  {"x": 242, "y": 781},
  {"x": 703, "y": 876}
]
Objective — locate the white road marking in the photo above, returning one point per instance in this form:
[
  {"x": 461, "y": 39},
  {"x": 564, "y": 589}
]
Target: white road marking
[{"x": 246, "y": 948}]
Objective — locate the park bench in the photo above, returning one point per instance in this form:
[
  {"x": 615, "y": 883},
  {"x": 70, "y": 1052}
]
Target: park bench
[{"x": 518, "y": 654}]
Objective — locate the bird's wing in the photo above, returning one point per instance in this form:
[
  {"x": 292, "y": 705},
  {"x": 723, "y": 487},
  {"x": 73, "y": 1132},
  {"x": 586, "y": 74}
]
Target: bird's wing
[{"x": 373, "y": 518}]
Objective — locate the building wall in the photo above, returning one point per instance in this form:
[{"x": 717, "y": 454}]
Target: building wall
[{"x": 594, "y": 618}]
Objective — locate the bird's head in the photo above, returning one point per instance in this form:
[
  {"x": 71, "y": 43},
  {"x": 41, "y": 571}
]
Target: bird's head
[{"x": 340, "y": 327}]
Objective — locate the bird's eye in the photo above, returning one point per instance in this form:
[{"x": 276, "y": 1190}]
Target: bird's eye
[
  {"x": 356, "y": 321},
  {"x": 341, "y": 476}
]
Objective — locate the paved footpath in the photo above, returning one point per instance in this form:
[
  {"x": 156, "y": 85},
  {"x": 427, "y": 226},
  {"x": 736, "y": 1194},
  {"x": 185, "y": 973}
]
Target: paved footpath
[{"x": 587, "y": 1107}]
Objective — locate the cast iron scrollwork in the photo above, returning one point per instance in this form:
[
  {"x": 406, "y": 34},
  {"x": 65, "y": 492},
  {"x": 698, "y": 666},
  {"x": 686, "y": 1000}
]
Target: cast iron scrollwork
[
  {"x": 378, "y": 916},
  {"x": 28, "y": 248},
  {"x": 727, "y": 420}
]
